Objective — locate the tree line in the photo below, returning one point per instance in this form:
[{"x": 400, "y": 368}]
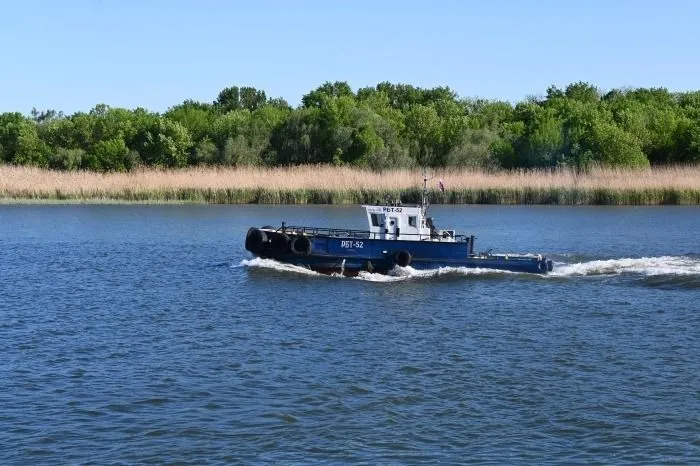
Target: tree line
[{"x": 386, "y": 126}]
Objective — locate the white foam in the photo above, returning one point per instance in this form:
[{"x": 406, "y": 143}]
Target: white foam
[
  {"x": 279, "y": 266},
  {"x": 648, "y": 266},
  {"x": 408, "y": 273},
  {"x": 397, "y": 274}
]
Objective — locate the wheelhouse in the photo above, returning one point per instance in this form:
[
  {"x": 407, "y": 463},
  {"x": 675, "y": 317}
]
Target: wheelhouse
[{"x": 404, "y": 222}]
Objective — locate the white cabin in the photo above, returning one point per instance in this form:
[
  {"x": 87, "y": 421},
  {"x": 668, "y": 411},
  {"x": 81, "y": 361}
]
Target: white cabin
[{"x": 404, "y": 222}]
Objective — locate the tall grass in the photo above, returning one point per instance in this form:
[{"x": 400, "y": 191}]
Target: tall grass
[{"x": 333, "y": 185}]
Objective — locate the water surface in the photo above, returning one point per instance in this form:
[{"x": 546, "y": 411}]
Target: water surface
[{"x": 147, "y": 334}]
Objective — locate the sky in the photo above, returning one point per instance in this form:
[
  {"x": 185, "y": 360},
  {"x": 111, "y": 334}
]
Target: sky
[{"x": 74, "y": 54}]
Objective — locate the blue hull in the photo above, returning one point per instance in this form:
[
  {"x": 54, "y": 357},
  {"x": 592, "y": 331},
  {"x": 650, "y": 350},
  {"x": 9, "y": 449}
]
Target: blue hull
[
  {"x": 353, "y": 266},
  {"x": 351, "y": 255}
]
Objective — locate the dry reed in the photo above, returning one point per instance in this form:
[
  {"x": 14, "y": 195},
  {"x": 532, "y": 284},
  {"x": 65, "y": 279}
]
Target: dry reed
[{"x": 326, "y": 184}]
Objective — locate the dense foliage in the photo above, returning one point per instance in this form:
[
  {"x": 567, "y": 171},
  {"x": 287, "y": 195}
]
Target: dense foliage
[{"x": 387, "y": 126}]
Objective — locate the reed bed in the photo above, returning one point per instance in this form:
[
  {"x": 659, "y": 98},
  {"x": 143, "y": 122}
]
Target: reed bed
[{"x": 342, "y": 185}]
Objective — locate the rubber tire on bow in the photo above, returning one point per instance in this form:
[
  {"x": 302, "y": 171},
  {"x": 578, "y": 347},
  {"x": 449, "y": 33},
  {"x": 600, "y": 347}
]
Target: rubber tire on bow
[
  {"x": 402, "y": 258},
  {"x": 255, "y": 240},
  {"x": 300, "y": 245}
]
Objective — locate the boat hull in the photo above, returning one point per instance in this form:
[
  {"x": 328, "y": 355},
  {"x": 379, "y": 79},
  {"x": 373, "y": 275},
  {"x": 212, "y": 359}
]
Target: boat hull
[{"x": 351, "y": 255}]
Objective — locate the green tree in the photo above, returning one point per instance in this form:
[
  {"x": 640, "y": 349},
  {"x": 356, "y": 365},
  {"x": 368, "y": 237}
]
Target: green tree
[
  {"x": 248, "y": 98},
  {"x": 113, "y": 155},
  {"x": 610, "y": 145},
  {"x": 229, "y": 99},
  {"x": 263, "y": 122},
  {"x": 388, "y": 125},
  {"x": 228, "y": 126},
  {"x": 66, "y": 159},
  {"x": 687, "y": 139},
  {"x": 474, "y": 150},
  {"x": 401, "y": 96},
  {"x": 423, "y": 127},
  {"x": 57, "y": 133},
  {"x": 165, "y": 143},
  {"x": 582, "y": 92},
  {"x": 238, "y": 152},
  {"x": 197, "y": 117},
  {"x": 204, "y": 153},
  {"x": 251, "y": 98},
  {"x": 20, "y": 141},
  {"x": 327, "y": 91},
  {"x": 487, "y": 113},
  {"x": 297, "y": 139},
  {"x": 541, "y": 143}
]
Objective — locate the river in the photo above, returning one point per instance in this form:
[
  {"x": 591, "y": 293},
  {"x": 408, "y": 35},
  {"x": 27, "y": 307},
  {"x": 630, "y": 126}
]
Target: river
[{"x": 147, "y": 334}]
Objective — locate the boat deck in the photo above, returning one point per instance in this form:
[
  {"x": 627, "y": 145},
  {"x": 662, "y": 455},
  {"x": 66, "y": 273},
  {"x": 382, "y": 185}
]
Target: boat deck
[{"x": 362, "y": 234}]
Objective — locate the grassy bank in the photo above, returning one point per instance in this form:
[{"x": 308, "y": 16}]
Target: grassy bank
[{"x": 331, "y": 185}]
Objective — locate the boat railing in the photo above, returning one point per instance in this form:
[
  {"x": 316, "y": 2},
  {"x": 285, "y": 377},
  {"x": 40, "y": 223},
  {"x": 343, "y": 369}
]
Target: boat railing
[{"x": 364, "y": 234}]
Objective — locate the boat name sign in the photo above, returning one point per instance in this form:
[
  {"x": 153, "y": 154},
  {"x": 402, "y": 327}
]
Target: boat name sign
[
  {"x": 374, "y": 210},
  {"x": 352, "y": 244}
]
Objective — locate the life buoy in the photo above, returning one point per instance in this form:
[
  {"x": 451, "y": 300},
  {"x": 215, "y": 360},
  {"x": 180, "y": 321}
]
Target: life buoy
[
  {"x": 542, "y": 266},
  {"x": 300, "y": 245},
  {"x": 255, "y": 240},
  {"x": 402, "y": 258}
]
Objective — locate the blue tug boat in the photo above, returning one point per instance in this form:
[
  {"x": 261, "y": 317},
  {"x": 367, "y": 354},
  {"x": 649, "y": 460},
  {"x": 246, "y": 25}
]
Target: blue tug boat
[{"x": 398, "y": 235}]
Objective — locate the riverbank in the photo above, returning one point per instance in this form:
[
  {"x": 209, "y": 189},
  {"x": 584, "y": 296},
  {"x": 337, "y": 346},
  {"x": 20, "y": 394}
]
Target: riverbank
[{"x": 333, "y": 185}]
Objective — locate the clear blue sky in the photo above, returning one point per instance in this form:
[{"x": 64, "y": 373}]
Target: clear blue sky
[{"x": 70, "y": 55}]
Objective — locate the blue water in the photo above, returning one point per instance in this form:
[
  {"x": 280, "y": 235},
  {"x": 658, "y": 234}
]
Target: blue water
[{"x": 147, "y": 334}]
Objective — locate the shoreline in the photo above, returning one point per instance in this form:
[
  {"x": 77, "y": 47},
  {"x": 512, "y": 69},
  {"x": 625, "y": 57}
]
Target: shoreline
[
  {"x": 311, "y": 197},
  {"x": 341, "y": 185}
]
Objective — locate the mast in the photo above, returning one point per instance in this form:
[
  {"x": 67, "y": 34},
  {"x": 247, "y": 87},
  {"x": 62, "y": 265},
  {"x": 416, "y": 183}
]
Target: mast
[{"x": 424, "y": 197}]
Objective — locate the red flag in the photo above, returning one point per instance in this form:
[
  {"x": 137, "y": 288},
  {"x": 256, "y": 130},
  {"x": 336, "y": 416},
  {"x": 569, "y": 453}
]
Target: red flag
[{"x": 441, "y": 185}]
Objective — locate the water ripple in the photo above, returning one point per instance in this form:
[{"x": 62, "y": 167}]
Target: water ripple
[{"x": 151, "y": 343}]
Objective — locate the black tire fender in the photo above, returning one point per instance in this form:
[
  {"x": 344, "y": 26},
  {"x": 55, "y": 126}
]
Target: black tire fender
[
  {"x": 402, "y": 258},
  {"x": 300, "y": 245},
  {"x": 255, "y": 240}
]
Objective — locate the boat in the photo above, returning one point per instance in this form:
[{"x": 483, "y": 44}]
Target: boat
[{"x": 398, "y": 235}]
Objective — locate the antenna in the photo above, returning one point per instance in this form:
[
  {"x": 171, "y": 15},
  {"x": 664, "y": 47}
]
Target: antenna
[{"x": 424, "y": 198}]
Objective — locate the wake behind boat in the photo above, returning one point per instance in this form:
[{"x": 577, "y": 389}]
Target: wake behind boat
[{"x": 398, "y": 235}]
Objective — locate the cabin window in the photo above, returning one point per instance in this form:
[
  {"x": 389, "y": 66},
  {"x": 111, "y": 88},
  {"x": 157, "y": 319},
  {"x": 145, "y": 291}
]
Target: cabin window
[
  {"x": 376, "y": 220},
  {"x": 411, "y": 221}
]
